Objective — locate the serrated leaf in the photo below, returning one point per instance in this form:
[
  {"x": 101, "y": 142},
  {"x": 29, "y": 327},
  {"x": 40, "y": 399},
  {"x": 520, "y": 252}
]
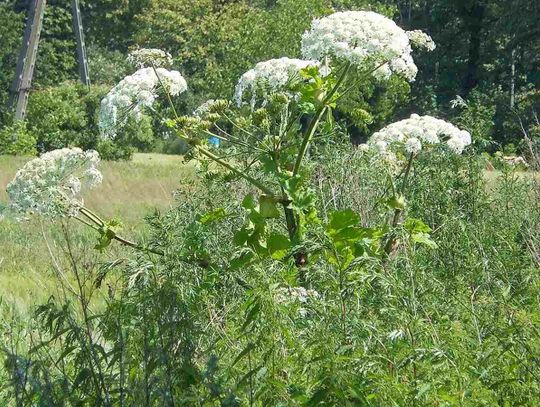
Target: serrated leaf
[
  {"x": 249, "y": 202},
  {"x": 396, "y": 202},
  {"x": 244, "y": 352},
  {"x": 83, "y": 375},
  {"x": 242, "y": 258}
]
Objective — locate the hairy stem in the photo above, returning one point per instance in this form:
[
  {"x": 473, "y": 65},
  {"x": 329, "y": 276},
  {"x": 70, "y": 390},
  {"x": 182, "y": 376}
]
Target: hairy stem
[
  {"x": 389, "y": 246},
  {"x": 100, "y": 223}
]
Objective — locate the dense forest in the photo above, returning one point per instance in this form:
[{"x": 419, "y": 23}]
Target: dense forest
[{"x": 486, "y": 64}]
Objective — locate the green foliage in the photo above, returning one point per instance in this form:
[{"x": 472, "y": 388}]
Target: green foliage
[
  {"x": 299, "y": 271},
  {"x": 477, "y": 116},
  {"x": 451, "y": 325},
  {"x": 16, "y": 139},
  {"x": 67, "y": 116},
  {"x": 11, "y": 26},
  {"x": 57, "y": 58}
]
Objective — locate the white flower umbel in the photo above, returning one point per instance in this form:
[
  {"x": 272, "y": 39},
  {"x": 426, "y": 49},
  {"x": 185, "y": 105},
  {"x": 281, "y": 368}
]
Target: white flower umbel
[
  {"x": 412, "y": 134},
  {"x": 287, "y": 295},
  {"x": 133, "y": 94},
  {"x": 150, "y": 57},
  {"x": 365, "y": 39},
  {"x": 295, "y": 295},
  {"x": 51, "y": 185},
  {"x": 421, "y": 40},
  {"x": 268, "y": 77},
  {"x": 204, "y": 108}
]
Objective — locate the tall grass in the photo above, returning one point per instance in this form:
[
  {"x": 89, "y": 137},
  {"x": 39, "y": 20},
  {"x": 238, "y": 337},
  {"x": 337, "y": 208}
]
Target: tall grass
[{"x": 129, "y": 192}]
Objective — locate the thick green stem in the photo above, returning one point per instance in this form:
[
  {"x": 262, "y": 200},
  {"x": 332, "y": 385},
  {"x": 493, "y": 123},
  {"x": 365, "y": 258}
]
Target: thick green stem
[
  {"x": 316, "y": 120},
  {"x": 389, "y": 247},
  {"x": 307, "y": 138},
  {"x": 232, "y": 168}
]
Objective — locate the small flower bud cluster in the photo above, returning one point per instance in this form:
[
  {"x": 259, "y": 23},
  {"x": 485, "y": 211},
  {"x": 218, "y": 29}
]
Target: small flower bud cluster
[
  {"x": 412, "y": 134},
  {"x": 150, "y": 57},
  {"x": 133, "y": 94},
  {"x": 51, "y": 185},
  {"x": 363, "y": 38},
  {"x": 295, "y": 295},
  {"x": 421, "y": 40},
  {"x": 268, "y": 77},
  {"x": 287, "y": 295},
  {"x": 211, "y": 110}
]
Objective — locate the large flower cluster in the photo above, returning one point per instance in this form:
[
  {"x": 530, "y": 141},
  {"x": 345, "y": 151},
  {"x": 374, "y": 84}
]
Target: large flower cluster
[
  {"x": 363, "y": 38},
  {"x": 150, "y": 57},
  {"x": 51, "y": 184},
  {"x": 267, "y": 77},
  {"x": 134, "y": 93},
  {"x": 412, "y": 134}
]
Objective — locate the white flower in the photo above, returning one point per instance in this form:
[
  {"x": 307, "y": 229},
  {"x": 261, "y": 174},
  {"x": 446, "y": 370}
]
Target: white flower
[
  {"x": 51, "y": 184},
  {"x": 421, "y": 40},
  {"x": 150, "y": 57},
  {"x": 295, "y": 295},
  {"x": 363, "y": 38},
  {"x": 381, "y": 146},
  {"x": 417, "y": 131},
  {"x": 133, "y": 94},
  {"x": 204, "y": 108},
  {"x": 458, "y": 102},
  {"x": 413, "y": 145},
  {"x": 269, "y": 77},
  {"x": 364, "y": 148}
]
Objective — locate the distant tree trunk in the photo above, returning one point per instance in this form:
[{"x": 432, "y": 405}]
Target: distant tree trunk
[
  {"x": 473, "y": 15},
  {"x": 513, "y": 79}
]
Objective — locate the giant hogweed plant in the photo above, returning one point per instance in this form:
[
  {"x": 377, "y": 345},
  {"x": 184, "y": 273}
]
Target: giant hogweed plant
[
  {"x": 281, "y": 112},
  {"x": 281, "y": 108}
]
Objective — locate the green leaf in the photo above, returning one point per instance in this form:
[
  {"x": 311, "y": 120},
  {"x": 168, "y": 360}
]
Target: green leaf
[
  {"x": 268, "y": 207},
  {"x": 83, "y": 375},
  {"x": 413, "y": 225},
  {"x": 251, "y": 314},
  {"x": 213, "y": 216},
  {"x": 425, "y": 239},
  {"x": 241, "y": 236},
  {"x": 278, "y": 245},
  {"x": 249, "y": 202},
  {"x": 340, "y": 220},
  {"x": 395, "y": 202},
  {"x": 423, "y": 389},
  {"x": 244, "y": 352},
  {"x": 242, "y": 258}
]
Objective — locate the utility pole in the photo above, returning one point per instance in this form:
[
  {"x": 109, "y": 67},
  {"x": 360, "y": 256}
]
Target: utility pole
[
  {"x": 27, "y": 58},
  {"x": 81, "y": 47}
]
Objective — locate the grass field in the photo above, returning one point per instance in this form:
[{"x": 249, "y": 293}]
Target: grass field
[{"x": 130, "y": 191}]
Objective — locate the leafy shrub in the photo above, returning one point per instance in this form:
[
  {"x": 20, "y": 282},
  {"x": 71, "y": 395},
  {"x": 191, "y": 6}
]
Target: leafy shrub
[
  {"x": 16, "y": 139},
  {"x": 11, "y": 27},
  {"x": 477, "y": 115},
  {"x": 67, "y": 116}
]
